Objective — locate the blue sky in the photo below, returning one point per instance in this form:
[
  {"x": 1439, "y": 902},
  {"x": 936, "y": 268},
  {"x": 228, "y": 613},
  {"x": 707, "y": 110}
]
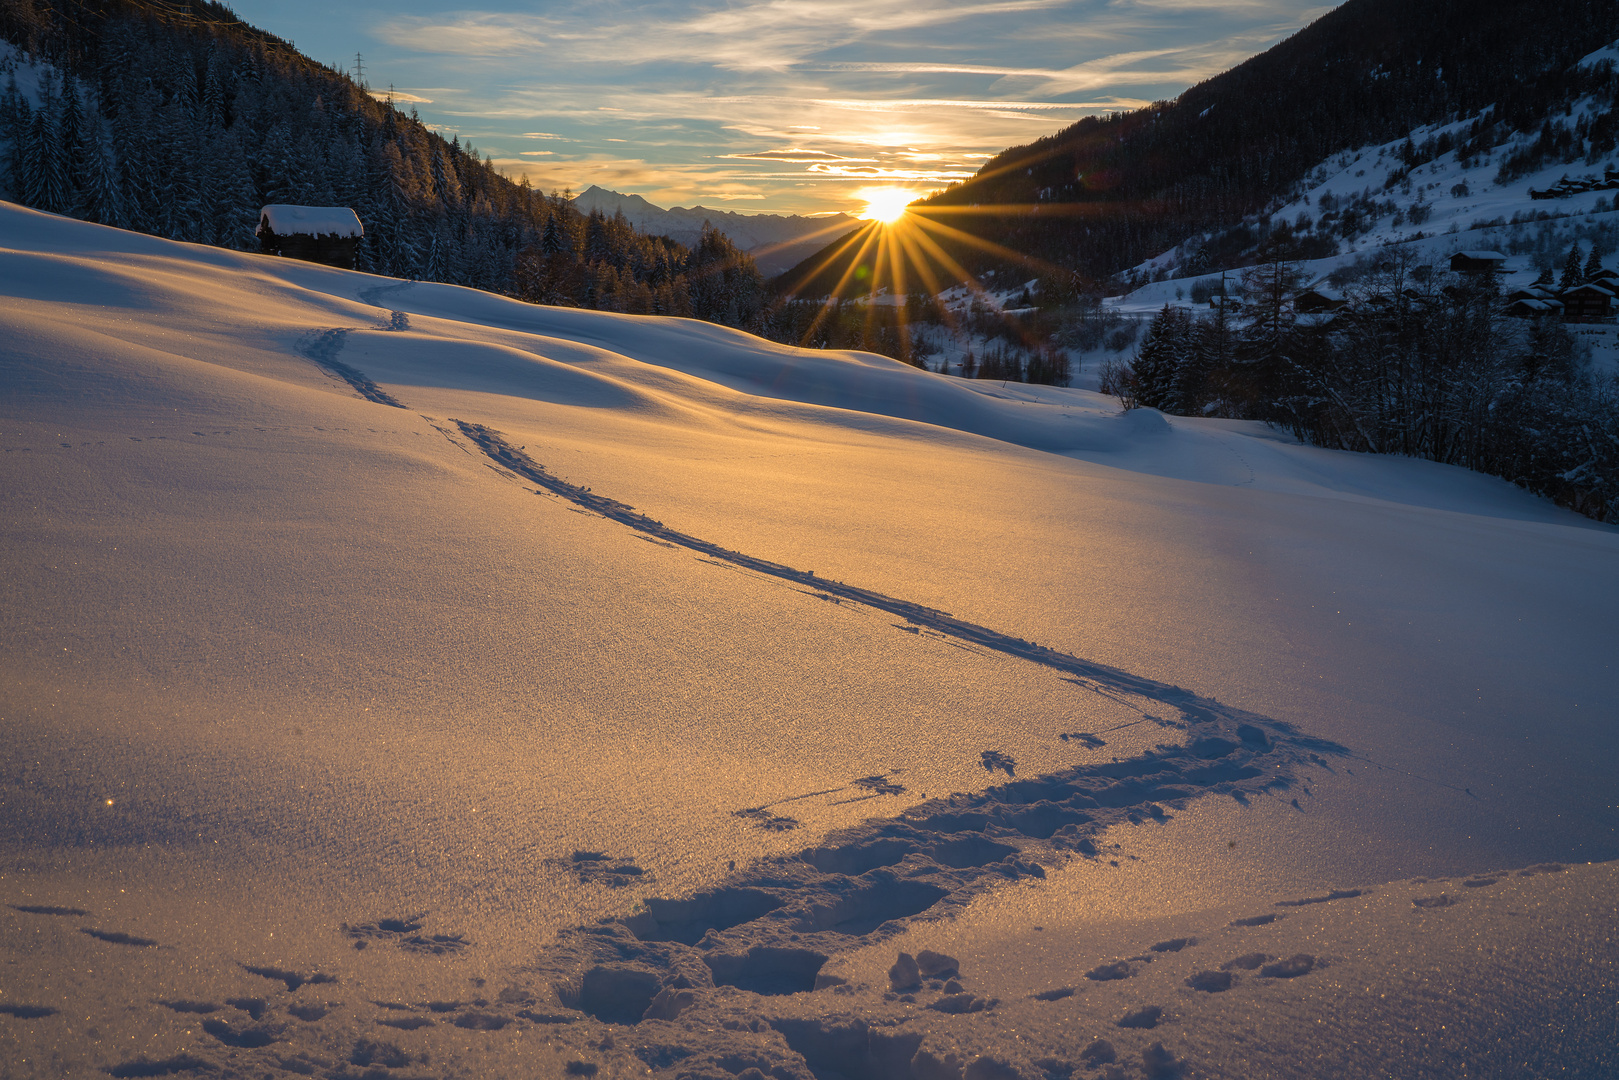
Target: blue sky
[{"x": 787, "y": 106}]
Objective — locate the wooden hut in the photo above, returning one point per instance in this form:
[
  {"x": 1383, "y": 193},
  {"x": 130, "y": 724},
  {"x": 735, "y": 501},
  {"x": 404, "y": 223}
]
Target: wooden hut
[
  {"x": 1587, "y": 303},
  {"x": 1533, "y": 308},
  {"x": 322, "y": 234},
  {"x": 1478, "y": 262},
  {"x": 1532, "y": 292},
  {"x": 1317, "y": 300}
]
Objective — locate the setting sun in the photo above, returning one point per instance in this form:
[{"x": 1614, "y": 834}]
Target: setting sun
[{"x": 886, "y": 205}]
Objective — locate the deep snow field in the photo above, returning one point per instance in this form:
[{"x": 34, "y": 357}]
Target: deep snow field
[{"x": 402, "y": 681}]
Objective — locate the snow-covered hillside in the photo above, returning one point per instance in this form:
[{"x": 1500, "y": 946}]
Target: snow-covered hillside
[
  {"x": 1466, "y": 185},
  {"x": 404, "y": 680}
]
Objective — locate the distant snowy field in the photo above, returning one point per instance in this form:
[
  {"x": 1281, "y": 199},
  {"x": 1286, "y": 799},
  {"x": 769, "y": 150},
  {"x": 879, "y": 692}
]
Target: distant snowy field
[{"x": 296, "y": 679}]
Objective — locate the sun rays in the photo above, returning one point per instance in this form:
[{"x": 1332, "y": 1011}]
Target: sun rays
[{"x": 903, "y": 246}]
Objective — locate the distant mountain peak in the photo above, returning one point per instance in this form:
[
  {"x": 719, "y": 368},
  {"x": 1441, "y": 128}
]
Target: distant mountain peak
[
  {"x": 595, "y": 196},
  {"x": 776, "y": 241}
]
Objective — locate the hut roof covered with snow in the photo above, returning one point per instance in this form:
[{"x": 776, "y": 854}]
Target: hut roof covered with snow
[
  {"x": 323, "y": 234},
  {"x": 1531, "y": 308},
  {"x": 284, "y": 219},
  {"x": 1318, "y": 299}
]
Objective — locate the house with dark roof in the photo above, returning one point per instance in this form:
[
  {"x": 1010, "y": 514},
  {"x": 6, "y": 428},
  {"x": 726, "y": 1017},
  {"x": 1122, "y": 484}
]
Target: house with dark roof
[
  {"x": 1532, "y": 292},
  {"x": 1316, "y": 300},
  {"x": 1478, "y": 262},
  {"x": 1533, "y": 308},
  {"x": 1587, "y": 303}
]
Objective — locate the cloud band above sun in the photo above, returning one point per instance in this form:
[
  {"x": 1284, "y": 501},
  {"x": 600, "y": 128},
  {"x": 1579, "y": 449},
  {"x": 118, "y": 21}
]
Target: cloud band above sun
[{"x": 788, "y": 104}]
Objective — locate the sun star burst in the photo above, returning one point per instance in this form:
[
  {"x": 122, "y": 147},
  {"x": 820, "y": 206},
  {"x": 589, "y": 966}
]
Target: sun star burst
[{"x": 886, "y": 205}]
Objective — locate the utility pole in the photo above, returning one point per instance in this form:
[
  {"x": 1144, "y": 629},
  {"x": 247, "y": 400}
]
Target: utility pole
[{"x": 359, "y": 70}]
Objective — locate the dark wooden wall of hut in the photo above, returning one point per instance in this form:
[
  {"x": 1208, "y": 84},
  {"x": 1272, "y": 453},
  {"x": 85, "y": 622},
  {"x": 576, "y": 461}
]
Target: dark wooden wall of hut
[{"x": 335, "y": 251}]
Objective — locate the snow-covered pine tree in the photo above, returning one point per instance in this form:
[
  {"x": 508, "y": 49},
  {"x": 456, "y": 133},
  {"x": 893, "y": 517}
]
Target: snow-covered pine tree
[
  {"x": 134, "y": 148},
  {"x": 1571, "y": 269},
  {"x": 1211, "y": 351},
  {"x": 1593, "y": 264},
  {"x": 1159, "y": 357},
  {"x": 100, "y": 196},
  {"x": 446, "y": 182},
  {"x": 276, "y": 166},
  {"x": 16, "y": 116},
  {"x": 46, "y": 182},
  {"x": 182, "y": 198},
  {"x": 70, "y": 133},
  {"x": 235, "y": 211},
  {"x": 212, "y": 111}
]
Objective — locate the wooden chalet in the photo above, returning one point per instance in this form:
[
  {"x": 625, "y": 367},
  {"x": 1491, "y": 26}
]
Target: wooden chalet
[
  {"x": 1532, "y": 292},
  {"x": 1587, "y": 303},
  {"x": 322, "y": 234},
  {"x": 1317, "y": 301},
  {"x": 1530, "y": 307},
  {"x": 1478, "y": 262}
]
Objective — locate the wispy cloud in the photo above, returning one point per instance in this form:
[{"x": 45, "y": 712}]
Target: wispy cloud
[
  {"x": 794, "y": 154},
  {"x": 470, "y": 33},
  {"x": 400, "y": 95},
  {"x": 891, "y": 175},
  {"x": 793, "y": 99},
  {"x": 761, "y": 36}
]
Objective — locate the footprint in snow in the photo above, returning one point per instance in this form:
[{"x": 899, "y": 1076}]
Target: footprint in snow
[
  {"x": 994, "y": 759},
  {"x": 1210, "y": 982},
  {"x": 1147, "y": 1016},
  {"x": 1291, "y": 968},
  {"x": 599, "y": 868},
  {"x": 764, "y": 819}
]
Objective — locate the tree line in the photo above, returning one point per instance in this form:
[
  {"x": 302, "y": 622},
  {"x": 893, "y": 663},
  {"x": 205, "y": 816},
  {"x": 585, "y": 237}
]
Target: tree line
[{"x": 1420, "y": 362}]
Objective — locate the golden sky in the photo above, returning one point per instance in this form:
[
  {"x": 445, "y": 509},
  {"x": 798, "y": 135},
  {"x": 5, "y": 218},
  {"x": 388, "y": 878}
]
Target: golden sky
[{"x": 786, "y": 106}]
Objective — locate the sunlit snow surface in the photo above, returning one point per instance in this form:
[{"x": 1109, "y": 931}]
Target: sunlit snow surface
[{"x": 283, "y": 661}]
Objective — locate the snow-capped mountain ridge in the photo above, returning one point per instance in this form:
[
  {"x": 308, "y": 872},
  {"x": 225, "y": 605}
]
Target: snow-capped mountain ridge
[{"x": 1531, "y": 193}]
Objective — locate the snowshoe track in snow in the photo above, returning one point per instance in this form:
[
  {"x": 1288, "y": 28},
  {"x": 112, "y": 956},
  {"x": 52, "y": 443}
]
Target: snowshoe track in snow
[
  {"x": 769, "y": 929},
  {"x": 322, "y": 346}
]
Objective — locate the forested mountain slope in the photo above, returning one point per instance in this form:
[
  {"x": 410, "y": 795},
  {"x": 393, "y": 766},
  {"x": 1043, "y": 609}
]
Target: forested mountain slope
[
  {"x": 181, "y": 120},
  {"x": 1108, "y": 192}
]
